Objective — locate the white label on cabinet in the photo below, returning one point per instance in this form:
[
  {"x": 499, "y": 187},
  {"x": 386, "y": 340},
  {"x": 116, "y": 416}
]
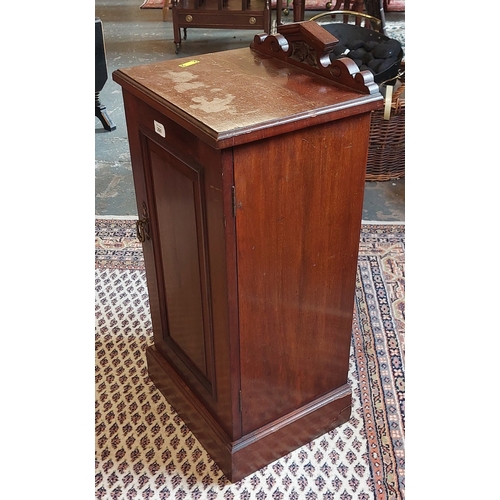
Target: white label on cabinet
[{"x": 159, "y": 128}]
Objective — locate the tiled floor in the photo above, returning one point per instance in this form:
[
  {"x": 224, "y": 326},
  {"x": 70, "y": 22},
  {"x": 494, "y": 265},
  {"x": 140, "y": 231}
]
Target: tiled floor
[{"x": 135, "y": 36}]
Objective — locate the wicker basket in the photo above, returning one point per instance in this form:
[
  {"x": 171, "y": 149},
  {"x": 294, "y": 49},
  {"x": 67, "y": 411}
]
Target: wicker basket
[{"x": 386, "y": 150}]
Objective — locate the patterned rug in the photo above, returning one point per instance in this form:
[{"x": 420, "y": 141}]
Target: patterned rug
[
  {"x": 394, "y": 5},
  {"x": 153, "y": 4},
  {"x": 390, "y": 6},
  {"x": 145, "y": 451},
  {"x": 310, "y": 4}
]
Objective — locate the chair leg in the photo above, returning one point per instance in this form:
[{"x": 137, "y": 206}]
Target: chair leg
[{"x": 102, "y": 114}]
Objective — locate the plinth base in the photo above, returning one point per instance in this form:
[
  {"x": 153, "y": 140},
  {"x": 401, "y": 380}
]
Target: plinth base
[{"x": 255, "y": 450}]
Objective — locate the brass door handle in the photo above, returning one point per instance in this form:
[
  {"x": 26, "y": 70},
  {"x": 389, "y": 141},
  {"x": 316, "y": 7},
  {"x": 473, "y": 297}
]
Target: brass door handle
[{"x": 142, "y": 225}]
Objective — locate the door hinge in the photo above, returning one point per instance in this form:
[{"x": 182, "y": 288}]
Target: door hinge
[
  {"x": 233, "y": 194},
  {"x": 240, "y": 402}
]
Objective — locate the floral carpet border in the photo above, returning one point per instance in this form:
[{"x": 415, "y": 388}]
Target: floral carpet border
[{"x": 117, "y": 246}]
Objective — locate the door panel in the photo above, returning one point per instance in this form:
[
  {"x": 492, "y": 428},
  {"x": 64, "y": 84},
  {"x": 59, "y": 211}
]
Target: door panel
[{"x": 182, "y": 262}]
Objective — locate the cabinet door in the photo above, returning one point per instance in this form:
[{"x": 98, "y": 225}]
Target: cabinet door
[{"x": 177, "y": 219}]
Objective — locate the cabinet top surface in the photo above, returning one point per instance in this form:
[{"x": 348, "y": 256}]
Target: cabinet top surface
[{"x": 238, "y": 91}]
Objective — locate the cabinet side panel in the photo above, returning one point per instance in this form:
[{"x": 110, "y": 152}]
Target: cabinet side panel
[{"x": 299, "y": 203}]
